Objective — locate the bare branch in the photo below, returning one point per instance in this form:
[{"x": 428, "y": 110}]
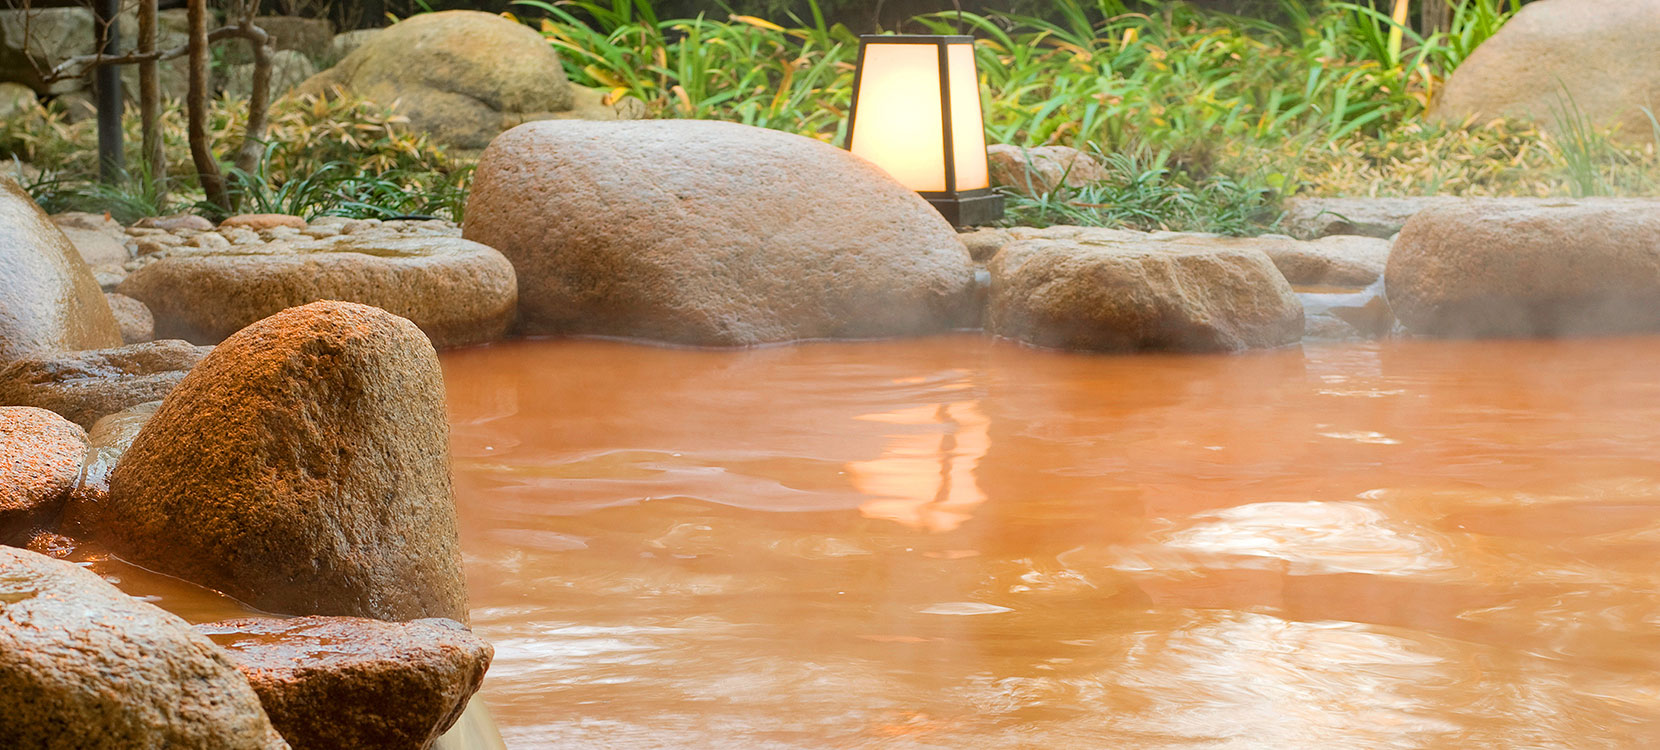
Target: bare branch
[{"x": 75, "y": 67}]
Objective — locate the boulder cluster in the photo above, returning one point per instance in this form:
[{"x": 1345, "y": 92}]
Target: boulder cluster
[{"x": 300, "y": 466}]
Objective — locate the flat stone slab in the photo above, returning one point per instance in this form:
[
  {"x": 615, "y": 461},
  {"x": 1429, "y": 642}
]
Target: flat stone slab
[{"x": 456, "y": 291}]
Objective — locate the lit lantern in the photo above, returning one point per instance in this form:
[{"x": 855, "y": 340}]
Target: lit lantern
[{"x": 916, "y": 114}]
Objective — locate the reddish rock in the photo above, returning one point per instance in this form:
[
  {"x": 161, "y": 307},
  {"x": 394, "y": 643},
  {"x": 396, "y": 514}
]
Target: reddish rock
[
  {"x": 40, "y": 460},
  {"x": 49, "y": 300},
  {"x": 308, "y": 458},
  {"x": 346, "y": 683},
  {"x": 257, "y": 222},
  {"x": 85, "y": 666},
  {"x": 711, "y": 233},
  {"x": 87, "y": 385}
]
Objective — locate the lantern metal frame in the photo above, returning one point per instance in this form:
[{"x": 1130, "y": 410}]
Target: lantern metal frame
[{"x": 960, "y": 207}]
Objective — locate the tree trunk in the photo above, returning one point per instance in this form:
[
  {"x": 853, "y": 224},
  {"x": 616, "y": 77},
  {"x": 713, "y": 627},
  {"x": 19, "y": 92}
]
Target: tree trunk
[
  {"x": 201, "y": 152},
  {"x": 107, "y": 86},
  {"x": 259, "y": 104},
  {"x": 149, "y": 100},
  {"x": 1434, "y": 16}
]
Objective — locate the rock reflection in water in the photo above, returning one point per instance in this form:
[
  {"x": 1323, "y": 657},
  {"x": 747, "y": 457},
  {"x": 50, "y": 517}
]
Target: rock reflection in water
[{"x": 960, "y": 543}]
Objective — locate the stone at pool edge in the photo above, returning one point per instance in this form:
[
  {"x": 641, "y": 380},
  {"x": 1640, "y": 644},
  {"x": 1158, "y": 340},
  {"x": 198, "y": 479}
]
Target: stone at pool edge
[
  {"x": 458, "y": 292},
  {"x": 1115, "y": 291},
  {"x": 1546, "y": 268},
  {"x": 49, "y": 300},
  {"x": 306, "y": 461},
  {"x": 84, "y": 665},
  {"x": 85, "y": 386},
  {"x": 343, "y": 683},
  {"x": 712, "y": 233},
  {"x": 41, "y": 455}
]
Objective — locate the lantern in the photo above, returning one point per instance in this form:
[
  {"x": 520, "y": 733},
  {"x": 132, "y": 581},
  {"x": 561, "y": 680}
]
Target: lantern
[{"x": 916, "y": 114}]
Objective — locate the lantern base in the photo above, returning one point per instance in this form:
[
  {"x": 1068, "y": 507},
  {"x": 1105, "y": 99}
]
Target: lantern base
[{"x": 969, "y": 210}]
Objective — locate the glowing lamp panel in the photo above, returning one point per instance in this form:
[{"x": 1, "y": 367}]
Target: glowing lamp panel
[
  {"x": 968, "y": 134},
  {"x": 899, "y": 125}
]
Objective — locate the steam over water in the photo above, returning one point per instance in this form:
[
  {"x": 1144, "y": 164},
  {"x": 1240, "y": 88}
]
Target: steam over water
[{"x": 961, "y": 543}]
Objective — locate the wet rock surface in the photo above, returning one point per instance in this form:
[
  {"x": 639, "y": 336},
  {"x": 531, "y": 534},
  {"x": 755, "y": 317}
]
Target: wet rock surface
[
  {"x": 87, "y": 385},
  {"x": 307, "y": 457},
  {"x": 711, "y": 233},
  {"x": 107, "y": 441},
  {"x": 1540, "y": 269},
  {"x": 1338, "y": 314},
  {"x": 205, "y": 286},
  {"x": 1117, "y": 291},
  {"x": 348, "y": 683},
  {"x": 41, "y": 455},
  {"x": 49, "y": 300},
  {"x": 85, "y": 666}
]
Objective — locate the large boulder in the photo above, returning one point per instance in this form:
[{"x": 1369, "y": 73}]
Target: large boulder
[
  {"x": 458, "y": 292},
  {"x": 1562, "y": 60},
  {"x": 48, "y": 298},
  {"x": 711, "y": 233},
  {"x": 41, "y": 455},
  {"x": 36, "y": 39},
  {"x": 84, "y": 386},
  {"x": 1531, "y": 269},
  {"x": 343, "y": 683},
  {"x": 289, "y": 69},
  {"x": 85, "y": 666},
  {"x": 455, "y": 74},
  {"x": 302, "y": 467},
  {"x": 1119, "y": 291}
]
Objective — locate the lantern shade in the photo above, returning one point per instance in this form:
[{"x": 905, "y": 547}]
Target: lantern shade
[{"x": 916, "y": 114}]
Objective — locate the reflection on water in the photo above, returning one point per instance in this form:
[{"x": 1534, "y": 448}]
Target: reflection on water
[{"x": 958, "y": 543}]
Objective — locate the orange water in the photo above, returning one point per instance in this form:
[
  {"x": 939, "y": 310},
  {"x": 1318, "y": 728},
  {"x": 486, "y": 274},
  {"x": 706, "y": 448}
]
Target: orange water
[{"x": 961, "y": 543}]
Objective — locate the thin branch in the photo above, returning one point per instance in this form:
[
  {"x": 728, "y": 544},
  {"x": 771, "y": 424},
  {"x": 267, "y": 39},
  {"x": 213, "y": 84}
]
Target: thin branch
[{"x": 77, "y": 66}]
